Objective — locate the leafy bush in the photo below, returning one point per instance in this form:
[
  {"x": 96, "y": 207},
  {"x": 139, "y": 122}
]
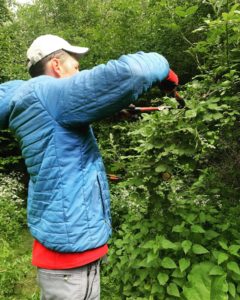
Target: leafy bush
[
  {"x": 12, "y": 211},
  {"x": 13, "y": 220},
  {"x": 13, "y": 269},
  {"x": 186, "y": 244}
]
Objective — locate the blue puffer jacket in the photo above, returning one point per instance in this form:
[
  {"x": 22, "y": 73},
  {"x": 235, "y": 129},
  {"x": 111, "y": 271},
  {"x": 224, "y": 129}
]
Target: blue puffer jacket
[{"x": 68, "y": 197}]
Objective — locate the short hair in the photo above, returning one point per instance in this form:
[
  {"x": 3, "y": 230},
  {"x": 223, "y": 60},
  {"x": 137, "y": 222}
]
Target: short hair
[{"x": 40, "y": 67}]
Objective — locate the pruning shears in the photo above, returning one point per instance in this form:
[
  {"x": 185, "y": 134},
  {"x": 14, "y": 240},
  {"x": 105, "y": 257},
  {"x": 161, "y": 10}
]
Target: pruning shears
[
  {"x": 133, "y": 109},
  {"x": 147, "y": 109},
  {"x": 114, "y": 178}
]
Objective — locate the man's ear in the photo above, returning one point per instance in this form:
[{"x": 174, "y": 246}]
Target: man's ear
[{"x": 53, "y": 68}]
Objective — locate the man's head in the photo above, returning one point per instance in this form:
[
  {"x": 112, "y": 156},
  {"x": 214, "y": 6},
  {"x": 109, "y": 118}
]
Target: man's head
[{"x": 52, "y": 55}]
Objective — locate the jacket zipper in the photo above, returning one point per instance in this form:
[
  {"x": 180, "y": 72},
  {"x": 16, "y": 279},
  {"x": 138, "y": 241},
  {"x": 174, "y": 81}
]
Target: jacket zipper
[{"x": 101, "y": 196}]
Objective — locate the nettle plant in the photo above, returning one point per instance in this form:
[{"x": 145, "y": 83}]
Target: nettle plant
[{"x": 186, "y": 244}]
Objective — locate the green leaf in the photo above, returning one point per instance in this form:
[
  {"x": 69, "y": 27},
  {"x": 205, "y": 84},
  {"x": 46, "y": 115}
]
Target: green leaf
[
  {"x": 161, "y": 168},
  {"x": 222, "y": 257},
  {"x": 186, "y": 245},
  {"x": 118, "y": 243},
  {"x": 191, "y": 10},
  {"x": 172, "y": 290},
  {"x": 197, "y": 229},
  {"x": 149, "y": 245},
  {"x": 162, "y": 278},
  {"x": 233, "y": 249},
  {"x": 217, "y": 116},
  {"x": 184, "y": 264},
  {"x": 213, "y": 106},
  {"x": 178, "y": 274},
  {"x": 223, "y": 245},
  {"x": 156, "y": 289},
  {"x": 151, "y": 257},
  {"x": 183, "y": 12},
  {"x": 190, "y": 217},
  {"x": 180, "y": 11},
  {"x": 168, "y": 263},
  {"x": 216, "y": 270},
  {"x": 191, "y": 113},
  {"x": 202, "y": 286},
  {"x": 211, "y": 234},
  {"x": 224, "y": 227},
  {"x": 146, "y": 131},
  {"x": 199, "y": 249},
  {"x": 179, "y": 228},
  {"x": 233, "y": 266},
  {"x": 232, "y": 289},
  {"x": 166, "y": 244}
]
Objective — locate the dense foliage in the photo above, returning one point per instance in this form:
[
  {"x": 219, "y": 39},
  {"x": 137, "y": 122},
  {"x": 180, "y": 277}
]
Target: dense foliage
[{"x": 176, "y": 210}]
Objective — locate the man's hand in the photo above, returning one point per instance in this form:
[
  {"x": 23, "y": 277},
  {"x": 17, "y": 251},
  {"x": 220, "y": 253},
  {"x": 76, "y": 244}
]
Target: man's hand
[
  {"x": 170, "y": 83},
  {"x": 169, "y": 87}
]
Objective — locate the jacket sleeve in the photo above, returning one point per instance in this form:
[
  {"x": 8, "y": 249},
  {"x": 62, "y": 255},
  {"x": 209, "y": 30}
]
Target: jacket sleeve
[
  {"x": 94, "y": 94},
  {"x": 7, "y": 90}
]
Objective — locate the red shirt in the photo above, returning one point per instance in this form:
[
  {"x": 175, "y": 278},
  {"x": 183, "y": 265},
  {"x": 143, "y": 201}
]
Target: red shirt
[{"x": 43, "y": 257}]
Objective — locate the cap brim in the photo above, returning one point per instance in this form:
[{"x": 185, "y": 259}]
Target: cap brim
[{"x": 76, "y": 50}]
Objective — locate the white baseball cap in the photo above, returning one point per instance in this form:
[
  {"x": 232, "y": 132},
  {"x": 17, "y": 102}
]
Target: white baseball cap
[{"x": 47, "y": 44}]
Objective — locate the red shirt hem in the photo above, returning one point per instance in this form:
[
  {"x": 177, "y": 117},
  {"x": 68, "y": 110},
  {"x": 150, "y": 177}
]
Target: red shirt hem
[{"x": 43, "y": 257}]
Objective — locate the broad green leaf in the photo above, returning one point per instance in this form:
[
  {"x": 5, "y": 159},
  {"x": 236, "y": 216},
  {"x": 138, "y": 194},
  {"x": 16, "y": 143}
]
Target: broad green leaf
[
  {"x": 166, "y": 244},
  {"x": 216, "y": 270},
  {"x": 118, "y": 243},
  {"x": 197, "y": 229},
  {"x": 149, "y": 244},
  {"x": 211, "y": 234},
  {"x": 179, "y": 281},
  {"x": 178, "y": 274},
  {"x": 224, "y": 226},
  {"x": 184, "y": 264},
  {"x": 232, "y": 289},
  {"x": 217, "y": 116},
  {"x": 146, "y": 131},
  {"x": 233, "y": 249},
  {"x": 143, "y": 273},
  {"x": 151, "y": 257},
  {"x": 180, "y": 11},
  {"x": 162, "y": 278},
  {"x": 213, "y": 106},
  {"x": 219, "y": 287},
  {"x": 223, "y": 245},
  {"x": 233, "y": 266},
  {"x": 179, "y": 228},
  {"x": 156, "y": 289},
  {"x": 161, "y": 168},
  {"x": 192, "y": 113},
  {"x": 168, "y": 263},
  {"x": 222, "y": 257},
  {"x": 142, "y": 264},
  {"x": 236, "y": 278},
  {"x": 191, "y": 10},
  {"x": 186, "y": 245},
  {"x": 199, "y": 249},
  {"x": 190, "y": 217},
  {"x": 202, "y": 286},
  {"x": 172, "y": 290}
]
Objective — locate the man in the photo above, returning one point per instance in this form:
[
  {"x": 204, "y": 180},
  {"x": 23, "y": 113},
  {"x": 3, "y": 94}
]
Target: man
[{"x": 68, "y": 195}]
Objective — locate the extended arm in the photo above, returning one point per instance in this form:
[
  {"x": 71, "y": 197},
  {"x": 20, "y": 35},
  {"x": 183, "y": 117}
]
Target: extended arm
[{"x": 100, "y": 92}]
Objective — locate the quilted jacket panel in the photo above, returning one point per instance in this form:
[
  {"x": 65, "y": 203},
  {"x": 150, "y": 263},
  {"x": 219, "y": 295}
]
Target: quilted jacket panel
[{"x": 68, "y": 196}]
